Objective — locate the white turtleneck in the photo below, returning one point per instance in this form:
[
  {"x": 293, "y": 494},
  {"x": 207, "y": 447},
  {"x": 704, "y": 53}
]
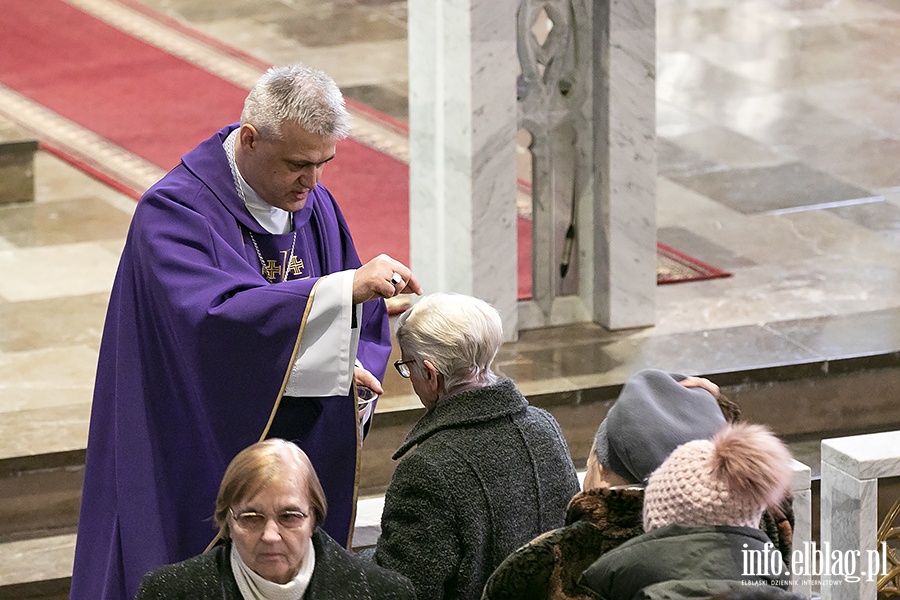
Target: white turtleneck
[{"x": 254, "y": 587}]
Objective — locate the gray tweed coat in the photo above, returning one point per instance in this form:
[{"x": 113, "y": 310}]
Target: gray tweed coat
[{"x": 487, "y": 473}]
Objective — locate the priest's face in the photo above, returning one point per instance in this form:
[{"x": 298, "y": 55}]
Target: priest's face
[
  {"x": 283, "y": 171},
  {"x": 270, "y": 536}
]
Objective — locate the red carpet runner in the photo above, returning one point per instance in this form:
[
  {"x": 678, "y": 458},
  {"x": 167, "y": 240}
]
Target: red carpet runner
[
  {"x": 158, "y": 106},
  {"x": 129, "y": 92}
]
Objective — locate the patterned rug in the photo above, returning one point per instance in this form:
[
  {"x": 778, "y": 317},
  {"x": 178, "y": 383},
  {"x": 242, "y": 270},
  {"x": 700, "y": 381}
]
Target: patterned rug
[{"x": 673, "y": 266}]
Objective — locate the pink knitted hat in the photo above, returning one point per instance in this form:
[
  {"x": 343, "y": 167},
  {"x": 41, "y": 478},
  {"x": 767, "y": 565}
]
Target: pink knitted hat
[{"x": 727, "y": 480}]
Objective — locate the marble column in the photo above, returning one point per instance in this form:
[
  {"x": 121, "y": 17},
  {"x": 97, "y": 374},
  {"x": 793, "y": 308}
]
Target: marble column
[
  {"x": 624, "y": 165},
  {"x": 588, "y": 99},
  {"x": 462, "y": 113},
  {"x": 851, "y": 467}
]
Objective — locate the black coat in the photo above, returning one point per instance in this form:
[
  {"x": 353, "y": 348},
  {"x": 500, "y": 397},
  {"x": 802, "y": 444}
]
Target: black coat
[
  {"x": 487, "y": 473},
  {"x": 338, "y": 575}
]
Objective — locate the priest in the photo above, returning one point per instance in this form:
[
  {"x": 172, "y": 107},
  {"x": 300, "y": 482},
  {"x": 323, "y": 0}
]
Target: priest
[{"x": 240, "y": 311}]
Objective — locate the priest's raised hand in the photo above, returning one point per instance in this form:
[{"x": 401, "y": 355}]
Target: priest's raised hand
[{"x": 383, "y": 277}]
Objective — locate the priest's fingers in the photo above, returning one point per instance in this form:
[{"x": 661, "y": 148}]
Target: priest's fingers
[
  {"x": 402, "y": 278},
  {"x": 372, "y": 280},
  {"x": 400, "y": 275},
  {"x": 365, "y": 379},
  {"x": 381, "y": 277},
  {"x": 701, "y": 382},
  {"x": 412, "y": 286}
]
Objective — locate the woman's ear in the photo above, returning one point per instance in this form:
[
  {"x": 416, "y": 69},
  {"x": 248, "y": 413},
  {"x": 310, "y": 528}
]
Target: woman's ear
[
  {"x": 430, "y": 371},
  {"x": 431, "y": 374}
]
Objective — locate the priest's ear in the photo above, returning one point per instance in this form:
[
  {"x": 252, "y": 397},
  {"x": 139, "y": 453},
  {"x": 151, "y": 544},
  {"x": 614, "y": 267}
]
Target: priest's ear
[{"x": 248, "y": 135}]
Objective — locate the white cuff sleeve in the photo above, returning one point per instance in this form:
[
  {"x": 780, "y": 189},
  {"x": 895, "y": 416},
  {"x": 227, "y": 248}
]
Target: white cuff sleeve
[{"x": 327, "y": 354}]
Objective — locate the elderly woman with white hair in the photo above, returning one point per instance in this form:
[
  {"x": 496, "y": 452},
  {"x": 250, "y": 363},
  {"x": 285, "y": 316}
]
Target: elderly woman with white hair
[{"x": 482, "y": 472}]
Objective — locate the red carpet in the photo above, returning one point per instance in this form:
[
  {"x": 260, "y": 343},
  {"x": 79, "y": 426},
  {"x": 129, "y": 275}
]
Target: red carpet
[
  {"x": 133, "y": 94},
  {"x": 158, "y": 106}
]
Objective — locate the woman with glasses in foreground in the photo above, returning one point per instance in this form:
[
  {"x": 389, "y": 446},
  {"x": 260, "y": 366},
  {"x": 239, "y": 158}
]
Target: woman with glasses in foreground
[{"x": 268, "y": 510}]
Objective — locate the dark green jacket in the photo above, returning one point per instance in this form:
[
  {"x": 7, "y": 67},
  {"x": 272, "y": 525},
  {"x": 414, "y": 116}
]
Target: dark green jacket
[
  {"x": 485, "y": 473},
  {"x": 714, "y": 557},
  {"x": 337, "y": 576}
]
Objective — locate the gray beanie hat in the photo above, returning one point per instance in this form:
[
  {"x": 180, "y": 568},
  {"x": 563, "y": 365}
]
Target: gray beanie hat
[{"x": 652, "y": 416}]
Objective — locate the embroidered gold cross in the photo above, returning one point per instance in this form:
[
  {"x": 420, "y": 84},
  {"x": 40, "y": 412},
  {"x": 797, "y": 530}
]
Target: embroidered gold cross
[
  {"x": 271, "y": 270},
  {"x": 295, "y": 266}
]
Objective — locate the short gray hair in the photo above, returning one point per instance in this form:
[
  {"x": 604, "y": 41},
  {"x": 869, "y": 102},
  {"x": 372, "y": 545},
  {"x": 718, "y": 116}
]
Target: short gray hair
[
  {"x": 460, "y": 334},
  {"x": 297, "y": 93}
]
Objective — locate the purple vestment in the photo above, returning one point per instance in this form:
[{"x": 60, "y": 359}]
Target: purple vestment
[{"x": 195, "y": 349}]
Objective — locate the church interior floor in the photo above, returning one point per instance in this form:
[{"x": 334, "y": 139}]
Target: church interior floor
[{"x": 779, "y": 160}]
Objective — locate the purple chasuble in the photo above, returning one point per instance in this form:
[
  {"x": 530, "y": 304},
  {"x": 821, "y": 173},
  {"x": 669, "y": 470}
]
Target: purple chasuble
[{"x": 196, "y": 347}]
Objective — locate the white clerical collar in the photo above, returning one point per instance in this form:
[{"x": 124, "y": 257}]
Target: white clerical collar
[
  {"x": 254, "y": 587},
  {"x": 271, "y": 218}
]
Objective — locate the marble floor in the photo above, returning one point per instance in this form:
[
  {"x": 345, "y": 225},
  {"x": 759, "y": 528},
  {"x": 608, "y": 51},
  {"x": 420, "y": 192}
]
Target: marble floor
[{"x": 779, "y": 160}]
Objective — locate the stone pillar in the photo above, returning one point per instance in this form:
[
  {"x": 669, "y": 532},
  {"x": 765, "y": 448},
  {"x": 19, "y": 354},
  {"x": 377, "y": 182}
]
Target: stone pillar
[
  {"x": 851, "y": 467},
  {"x": 462, "y": 114},
  {"x": 588, "y": 98},
  {"x": 624, "y": 167}
]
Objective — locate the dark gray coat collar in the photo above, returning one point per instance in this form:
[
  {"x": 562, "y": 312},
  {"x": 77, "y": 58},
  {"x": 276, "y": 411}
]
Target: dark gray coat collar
[{"x": 478, "y": 405}]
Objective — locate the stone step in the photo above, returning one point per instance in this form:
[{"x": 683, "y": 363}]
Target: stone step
[
  {"x": 40, "y": 495},
  {"x": 798, "y": 401},
  {"x": 37, "y": 568}
]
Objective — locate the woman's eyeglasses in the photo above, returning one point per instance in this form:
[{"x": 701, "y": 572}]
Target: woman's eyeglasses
[
  {"x": 402, "y": 367},
  {"x": 255, "y": 522}
]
